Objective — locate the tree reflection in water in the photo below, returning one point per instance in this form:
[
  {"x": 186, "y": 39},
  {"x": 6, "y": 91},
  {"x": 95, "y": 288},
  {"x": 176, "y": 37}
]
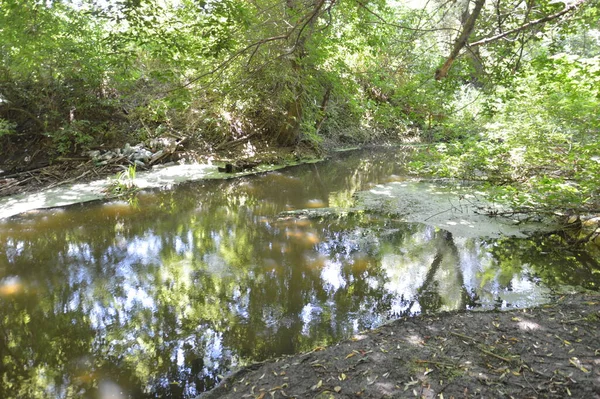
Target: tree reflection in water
[{"x": 159, "y": 300}]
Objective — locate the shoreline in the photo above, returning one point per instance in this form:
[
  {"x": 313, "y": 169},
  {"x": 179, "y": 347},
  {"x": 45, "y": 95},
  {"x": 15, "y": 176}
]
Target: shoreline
[
  {"x": 162, "y": 176},
  {"x": 550, "y": 351},
  {"x": 81, "y": 189}
]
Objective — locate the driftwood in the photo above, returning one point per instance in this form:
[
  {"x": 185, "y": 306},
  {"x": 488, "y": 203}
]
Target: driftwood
[
  {"x": 68, "y": 180},
  {"x": 166, "y": 152},
  {"x": 239, "y": 166},
  {"x": 235, "y": 142},
  {"x": 14, "y": 183}
]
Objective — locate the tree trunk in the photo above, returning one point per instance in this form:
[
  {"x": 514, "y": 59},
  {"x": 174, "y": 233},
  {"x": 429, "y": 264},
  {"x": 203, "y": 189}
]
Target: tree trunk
[
  {"x": 289, "y": 132},
  {"x": 461, "y": 40}
]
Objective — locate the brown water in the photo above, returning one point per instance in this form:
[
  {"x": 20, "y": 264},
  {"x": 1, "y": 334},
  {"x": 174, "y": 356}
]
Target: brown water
[{"x": 160, "y": 298}]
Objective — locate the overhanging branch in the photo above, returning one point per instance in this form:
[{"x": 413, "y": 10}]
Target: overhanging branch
[
  {"x": 461, "y": 40},
  {"x": 528, "y": 25}
]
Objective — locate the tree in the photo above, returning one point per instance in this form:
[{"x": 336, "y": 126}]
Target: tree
[{"x": 503, "y": 23}]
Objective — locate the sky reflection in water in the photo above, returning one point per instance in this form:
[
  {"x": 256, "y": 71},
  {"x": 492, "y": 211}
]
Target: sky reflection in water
[{"x": 158, "y": 300}]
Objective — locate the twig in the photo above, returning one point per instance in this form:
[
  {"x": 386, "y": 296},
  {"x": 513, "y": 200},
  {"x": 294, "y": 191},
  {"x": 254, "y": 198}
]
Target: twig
[
  {"x": 480, "y": 348},
  {"x": 69, "y": 180},
  {"x": 573, "y": 320},
  {"x": 463, "y": 336},
  {"x": 234, "y": 142},
  {"x": 25, "y": 172},
  {"x": 439, "y": 213},
  {"x": 437, "y": 363},
  {"x": 528, "y": 383},
  {"x": 18, "y": 182},
  {"x": 494, "y": 355},
  {"x": 35, "y": 177},
  {"x": 528, "y": 25},
  {"x": 67, "y": 159}
]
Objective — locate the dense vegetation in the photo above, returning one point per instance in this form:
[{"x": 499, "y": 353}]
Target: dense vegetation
[{"x": 508, "y": 90}]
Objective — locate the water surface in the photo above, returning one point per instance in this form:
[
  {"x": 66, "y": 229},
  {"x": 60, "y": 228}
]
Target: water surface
[{"x": 160, "y": 298}]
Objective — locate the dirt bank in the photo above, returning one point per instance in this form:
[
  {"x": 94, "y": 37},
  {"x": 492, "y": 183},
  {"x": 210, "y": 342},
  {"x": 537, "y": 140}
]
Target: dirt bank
[{"x": 551, "y": 351}]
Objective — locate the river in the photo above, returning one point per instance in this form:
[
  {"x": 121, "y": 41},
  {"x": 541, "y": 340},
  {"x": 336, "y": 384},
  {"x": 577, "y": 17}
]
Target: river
[{"x": 161, "y": 295}]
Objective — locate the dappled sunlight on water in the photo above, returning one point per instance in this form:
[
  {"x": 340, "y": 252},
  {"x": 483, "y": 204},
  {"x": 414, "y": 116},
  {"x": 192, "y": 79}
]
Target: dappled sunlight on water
[{"x": 160, "y": 298}]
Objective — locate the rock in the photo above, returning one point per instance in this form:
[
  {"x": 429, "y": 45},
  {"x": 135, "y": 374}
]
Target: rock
[
  {"x": 140, "y": 154},
  {"x": 93, "y": 154},
  {"x": 157, "y": 156},
  {"x": 592, "y": 222}
]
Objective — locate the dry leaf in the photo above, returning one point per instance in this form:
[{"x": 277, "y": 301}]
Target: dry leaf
[
  {"x": 575, "y": 362},
  {"x": 317, "y": 385}
]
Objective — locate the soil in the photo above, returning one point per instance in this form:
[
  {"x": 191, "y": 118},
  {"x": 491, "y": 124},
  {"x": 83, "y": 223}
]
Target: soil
[{"x": 552, "y": 351}]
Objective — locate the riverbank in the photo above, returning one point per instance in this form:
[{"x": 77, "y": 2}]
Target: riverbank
[
  {"x": 74, "y": 181},
  {"x": 552, "y": 351},
  {"x": 98, "y": 165}
]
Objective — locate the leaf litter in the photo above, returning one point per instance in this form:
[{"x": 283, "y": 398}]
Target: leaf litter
[{"x": 552, "y": 351}]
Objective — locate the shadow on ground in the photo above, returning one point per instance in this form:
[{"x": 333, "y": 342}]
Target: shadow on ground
[{"x": 551, "y": 351}]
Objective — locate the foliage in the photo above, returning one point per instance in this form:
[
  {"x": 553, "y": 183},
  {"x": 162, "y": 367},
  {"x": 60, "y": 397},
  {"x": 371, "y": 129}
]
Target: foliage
[
  {"x": 538, "y": 140},
  {"x": 7, "y": 127},
  {"x": 124, "y": 182},
  {"x": 518, "y": 108}
]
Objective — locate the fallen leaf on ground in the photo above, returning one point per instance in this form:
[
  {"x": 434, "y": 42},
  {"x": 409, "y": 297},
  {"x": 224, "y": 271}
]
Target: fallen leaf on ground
[{"x": 577, "y": 363}]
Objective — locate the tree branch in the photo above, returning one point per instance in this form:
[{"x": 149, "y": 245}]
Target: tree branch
[
  {"x": 528, "y": 25},
  {"x": 383, "y": 21},
  {"x": 461, "y": 41}
]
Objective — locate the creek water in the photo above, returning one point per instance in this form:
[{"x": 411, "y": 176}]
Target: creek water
[{"x": 162, "y": 295}]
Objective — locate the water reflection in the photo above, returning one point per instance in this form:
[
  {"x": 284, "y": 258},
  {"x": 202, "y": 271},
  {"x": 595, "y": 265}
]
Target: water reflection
[{"x": 160, "y": 299}]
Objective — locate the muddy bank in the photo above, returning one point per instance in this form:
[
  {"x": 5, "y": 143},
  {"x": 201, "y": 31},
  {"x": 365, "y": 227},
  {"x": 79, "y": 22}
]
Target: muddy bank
[{"x": 552, "y": 351}]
